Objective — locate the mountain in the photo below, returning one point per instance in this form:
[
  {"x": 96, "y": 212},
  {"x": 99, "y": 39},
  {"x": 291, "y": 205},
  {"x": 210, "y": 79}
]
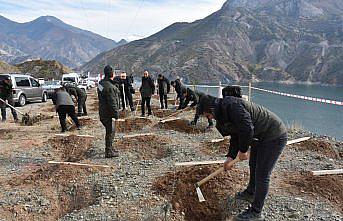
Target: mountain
[
  {"x": 50, "y": 38},
  {"x": 7, "y": 68},
  {"x": 262, "y": 40},
  {"x": 48, "y": 69}
]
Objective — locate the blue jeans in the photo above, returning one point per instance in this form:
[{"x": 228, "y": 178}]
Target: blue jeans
[{"x": 263, "y": 158}]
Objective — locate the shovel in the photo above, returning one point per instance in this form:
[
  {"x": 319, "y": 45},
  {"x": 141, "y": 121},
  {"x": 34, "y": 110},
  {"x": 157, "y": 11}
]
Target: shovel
[
  {"x": 26, "y": 120},
  {"x": 206, "y": 179}
]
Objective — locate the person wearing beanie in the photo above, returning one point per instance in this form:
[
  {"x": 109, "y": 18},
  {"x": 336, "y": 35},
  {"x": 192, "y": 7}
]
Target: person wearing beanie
[
  {"x": 249, "y": 125},
  {"x": 109, "y": 105}
]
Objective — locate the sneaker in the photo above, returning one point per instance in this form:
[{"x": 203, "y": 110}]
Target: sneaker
[
  {"x": 84, "y": 114},
  {"x": 79, "y": 128},
  {"x": 63, "y": 131},
  {"x": 142, "y": 115},
  {"x": 149, "y": 114},
  {"x": 249, "y": 215},
  {"x": 79, "y": 114},
  {"x": 111, "y": 153},
  {"x": 132, "y": 109},
  {"x": 245, "y": 195},
  {"x": 16, "y": 120}
]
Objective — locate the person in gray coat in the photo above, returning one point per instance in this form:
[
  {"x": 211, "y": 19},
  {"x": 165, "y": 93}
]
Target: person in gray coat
[
  {"x": 64, "y": 105},
  {"x": 147, "y": 90}
]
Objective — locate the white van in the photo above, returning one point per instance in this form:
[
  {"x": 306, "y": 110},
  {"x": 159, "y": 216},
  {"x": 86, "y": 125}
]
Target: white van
[{"x": 74, "y": 78}]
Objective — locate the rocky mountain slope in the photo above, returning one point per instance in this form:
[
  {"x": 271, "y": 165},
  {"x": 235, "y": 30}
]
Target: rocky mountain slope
[
  {"x": 7, "y": 68},
  {"x": 49, "y": 69},
  {"x": 268, "y": 40},
  {"x": 50, "y": 38}
]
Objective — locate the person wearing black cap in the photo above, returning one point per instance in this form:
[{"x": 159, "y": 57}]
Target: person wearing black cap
[
  {"x": 180, "y": 91},
  {"x": 163, "y": 90},
  {"x": 249, "y": 124},
  {"x": 109, "y": 105},
  {"x": 6, "y": 94},
  {"x": 81, "y": 97}
]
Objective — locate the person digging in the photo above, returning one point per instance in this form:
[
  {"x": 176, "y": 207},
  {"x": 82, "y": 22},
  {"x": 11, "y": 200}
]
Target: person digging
[
  {"x": 6, "y": 94},
  {"x": 109, "y": 105},
  {"x": 248, "y": 124}
]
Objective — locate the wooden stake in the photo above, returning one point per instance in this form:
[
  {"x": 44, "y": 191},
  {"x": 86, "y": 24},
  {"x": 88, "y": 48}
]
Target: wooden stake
[
  {"x": 67, "y": 135},
  {"x": 200, "y": 163},
  {"x": 138, "y": 135},
  {"x": 172, "y": 119},
  {"x": 78, "y": 164},
  {"x": 298, "y": 140},
  {"x": 326, "y": 172},
  {"x": 217, "y": 140}
]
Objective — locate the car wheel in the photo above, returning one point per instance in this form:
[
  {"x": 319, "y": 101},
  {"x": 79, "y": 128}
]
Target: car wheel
[
  {"x": 45, "y": 97},
  {"x": 22, "y": 100}
]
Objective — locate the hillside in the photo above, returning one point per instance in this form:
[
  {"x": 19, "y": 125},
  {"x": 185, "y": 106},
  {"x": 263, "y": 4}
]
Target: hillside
[
  {"x": 266, "y": 40},
  {"x": 44, "y": 69},
  {"x": 50, "y": 39},
  {"x": 7, "y": 68}
]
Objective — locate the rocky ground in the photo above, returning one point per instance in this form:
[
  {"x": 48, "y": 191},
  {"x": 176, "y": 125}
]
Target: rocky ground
[{"x": 143, "y": 183}]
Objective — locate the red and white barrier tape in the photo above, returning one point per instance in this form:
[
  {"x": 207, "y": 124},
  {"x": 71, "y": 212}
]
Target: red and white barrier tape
[{"x": 321, "y": 100}]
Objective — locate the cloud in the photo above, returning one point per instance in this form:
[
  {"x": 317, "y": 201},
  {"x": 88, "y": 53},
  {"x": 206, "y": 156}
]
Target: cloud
[{"x": 115, "y": 19}]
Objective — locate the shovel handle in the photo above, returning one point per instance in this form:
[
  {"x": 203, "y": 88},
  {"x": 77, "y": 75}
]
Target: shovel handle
[
  {"x": 215, "y": 173},
  {"x": 12, "y": 107}
]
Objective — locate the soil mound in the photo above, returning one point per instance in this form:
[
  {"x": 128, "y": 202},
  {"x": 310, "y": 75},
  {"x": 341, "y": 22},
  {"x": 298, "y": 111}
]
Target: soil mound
[
  {"x": 321, "y": 146},
  {"x": 329, "y": 186},
  {"x": 216, "y": 148},
  {"x": 179, "y": 188},
  {"x": 145, "y": 147},
  {"x": 65, "y": 190},
  {"x": 181, "y": 126},
  {"x": 71, "y": 148},
  {"x": 132, "y": 124},
  {"x": 86, "y": 122},
  {"x": 162, "y": 113},
  {"x": 31, "y": 120}
]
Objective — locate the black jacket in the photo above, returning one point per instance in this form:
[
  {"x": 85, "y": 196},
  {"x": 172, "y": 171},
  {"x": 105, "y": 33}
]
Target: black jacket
[
  {"x": 127, "y": 85},
  {"x": 109, "y": 103},
  {"x": 245, "y": 121},
  {"x": 163, "y": 86},
  {"x": 6, "y": 89},
  {"x": 192, "y": 96},
  {"x": 148, "y": 87}
]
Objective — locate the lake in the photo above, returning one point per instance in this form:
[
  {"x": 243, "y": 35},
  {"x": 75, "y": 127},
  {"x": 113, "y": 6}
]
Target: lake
[{"x": 319, "y": 118}]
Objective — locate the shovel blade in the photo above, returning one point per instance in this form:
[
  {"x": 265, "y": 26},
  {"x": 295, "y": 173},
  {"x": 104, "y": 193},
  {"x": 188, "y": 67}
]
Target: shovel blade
[{"x": 200, "y": 196}]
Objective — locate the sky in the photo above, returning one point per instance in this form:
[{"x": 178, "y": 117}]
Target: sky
[{"x": 114, "y": 19}]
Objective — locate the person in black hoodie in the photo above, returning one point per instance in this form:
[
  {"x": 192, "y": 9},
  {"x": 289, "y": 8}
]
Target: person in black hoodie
[
  {"x": 249, "y": 124},
  {"x": 147, "y": 89},
  {"x": 163, "y": 90},
  {"x": 180, "y": 91}
]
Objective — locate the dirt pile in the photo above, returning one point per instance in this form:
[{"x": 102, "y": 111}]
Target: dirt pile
[
  {"x": 31, "y": 120},
  {"x": 181, "y": 126},
  {"x": 179, "y": 188},
  {"x": 71, "y": 148},
  {"x": 131, "y": 124},
  {"x": 145, "y": 147},
  {"x": 85, "y": 122},
  {"x": 216, "y": 148},
  {"x": 162, "y": 113},
  {"x": 62, "y": 189},
  {"x": 321, "y": 146},
  {"x": 329, "y": 186}
]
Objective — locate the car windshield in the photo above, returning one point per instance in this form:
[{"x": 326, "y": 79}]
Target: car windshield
[{"x": 71, "y": 79}]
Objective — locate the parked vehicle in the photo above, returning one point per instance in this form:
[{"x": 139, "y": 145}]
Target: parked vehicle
[
  {"x": 26, "y": 88},
  {"x": 50, "y": 87},
  {"x": 87, "y": 83},
  {"x": 73, "y": 78}
]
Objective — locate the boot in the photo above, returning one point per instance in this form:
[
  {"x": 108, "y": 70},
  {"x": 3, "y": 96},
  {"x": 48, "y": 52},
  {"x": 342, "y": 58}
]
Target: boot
[
  {"x": 110, "y": 153},
  {"x": 249, "y": 215},
  {"x": 245, "y": 195}
]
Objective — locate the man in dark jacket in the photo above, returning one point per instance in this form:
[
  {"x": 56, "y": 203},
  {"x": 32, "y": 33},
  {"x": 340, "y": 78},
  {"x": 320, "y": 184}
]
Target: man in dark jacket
[
  {"x": 81, "y": 97},
  {"x": 64, "y": 105},
  {"x": 126, "y": 90},
  {"x": 109, "y": 99},
  {"x": 195, "y": 98},
  {"x": 6, "y": 94},
  {"x": 163, "y": 90},
  {"x": 249, "y": 124},
  {"x": 180, "y": 91},
  {"x": 147, "y": 90}
]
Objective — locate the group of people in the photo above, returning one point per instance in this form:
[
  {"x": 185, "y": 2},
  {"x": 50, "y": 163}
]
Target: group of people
[{"x": 249, "y": 125}]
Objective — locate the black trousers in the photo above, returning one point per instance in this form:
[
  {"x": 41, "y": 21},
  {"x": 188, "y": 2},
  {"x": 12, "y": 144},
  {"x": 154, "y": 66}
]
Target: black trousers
[
  {"x": 128, "y": 100},
  {"x": 164, "y": 101},
  {"x": 110, "y": 131},
  {"x": 3, "y": 105},
  {"x": 81, "y": 105},
  {"x": 182, "y": 101},
  {"x": 146, "y": 101},
  {"x": 263, "y": 158},
  {"x": 62, "y": 111}
]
